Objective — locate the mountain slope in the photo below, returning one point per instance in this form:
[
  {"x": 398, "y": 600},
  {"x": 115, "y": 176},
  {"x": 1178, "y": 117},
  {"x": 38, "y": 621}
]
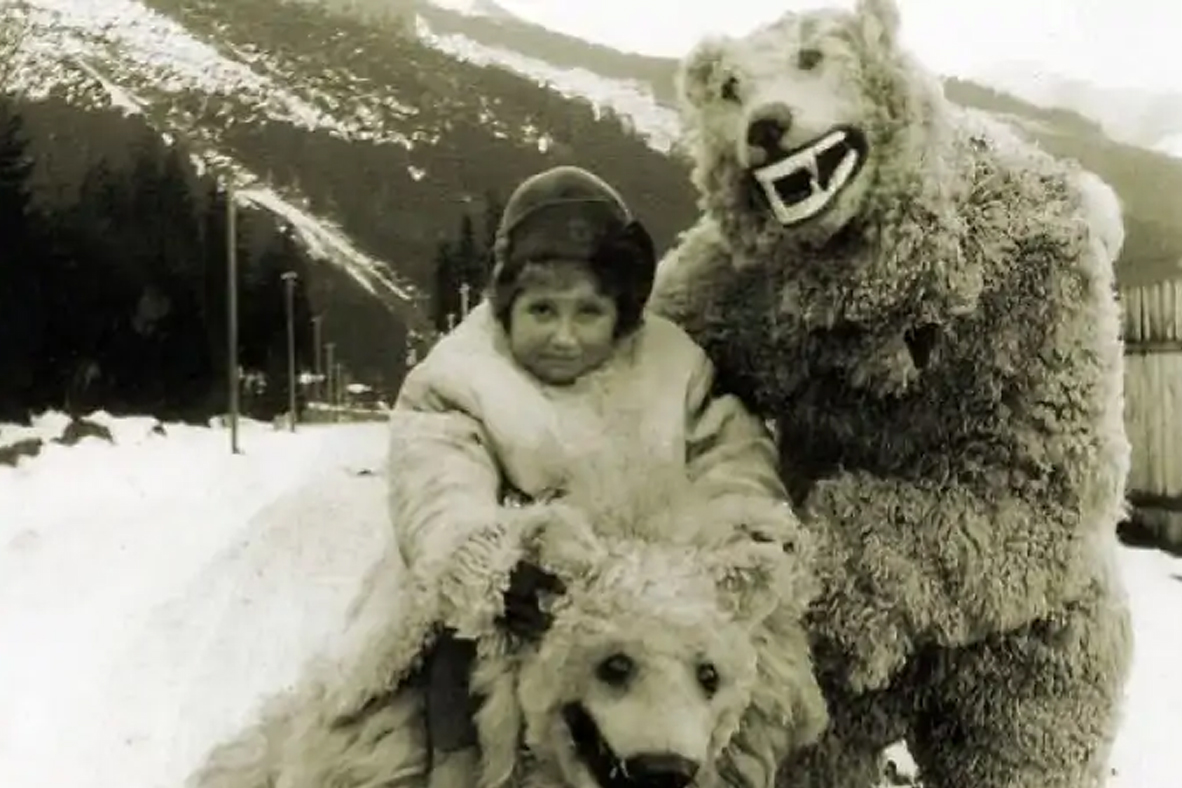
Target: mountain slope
[
  {"x": 372, "y": 143},
  {"x": 1148, "y": 118}
]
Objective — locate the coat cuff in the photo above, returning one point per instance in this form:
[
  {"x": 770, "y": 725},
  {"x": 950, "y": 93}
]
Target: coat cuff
[{"x": 472, "y": 592}]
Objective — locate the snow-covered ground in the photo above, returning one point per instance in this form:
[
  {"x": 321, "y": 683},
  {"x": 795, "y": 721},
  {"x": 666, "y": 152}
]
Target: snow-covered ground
[
  {"x": 153, "y": 591},
  {"x": 150, "y": 590}
]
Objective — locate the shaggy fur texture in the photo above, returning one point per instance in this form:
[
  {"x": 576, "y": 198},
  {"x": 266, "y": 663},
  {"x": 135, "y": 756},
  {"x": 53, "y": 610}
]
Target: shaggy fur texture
[
  {"x": 940, "y": 350},
  {"x": 650, "y": 576}
]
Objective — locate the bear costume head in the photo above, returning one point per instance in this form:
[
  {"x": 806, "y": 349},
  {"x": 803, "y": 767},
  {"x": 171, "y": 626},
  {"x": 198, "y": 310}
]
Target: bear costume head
[
  {"x": 669, "y": 661},
  {"x": 819, "y": 143}
]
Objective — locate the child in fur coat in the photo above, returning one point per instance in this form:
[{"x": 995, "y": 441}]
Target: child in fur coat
[{"x": 559, "y": 372}]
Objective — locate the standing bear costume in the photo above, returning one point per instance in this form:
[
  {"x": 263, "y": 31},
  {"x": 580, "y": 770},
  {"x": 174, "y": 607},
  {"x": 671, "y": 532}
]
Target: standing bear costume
[{"x": 924, "y": 303}]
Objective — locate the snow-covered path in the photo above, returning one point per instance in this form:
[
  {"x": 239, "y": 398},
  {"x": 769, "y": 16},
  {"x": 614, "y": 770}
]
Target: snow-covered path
[
  {"x": 137, "y": 645},
  {"x": 244, "y": 623},
  {"x": 149, "y": 605}
]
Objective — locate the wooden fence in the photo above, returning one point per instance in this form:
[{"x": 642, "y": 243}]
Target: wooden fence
[{"x": 1153, "y": 404}]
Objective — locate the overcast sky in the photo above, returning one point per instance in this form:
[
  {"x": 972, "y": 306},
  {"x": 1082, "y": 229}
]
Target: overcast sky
[{"x": 1116, "y": 43}]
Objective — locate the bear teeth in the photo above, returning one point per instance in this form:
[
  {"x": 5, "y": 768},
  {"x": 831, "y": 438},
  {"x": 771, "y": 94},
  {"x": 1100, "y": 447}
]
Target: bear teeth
[
  {"x": 805, "y": 159},
  {"x": 810, "y": 165},
  {"x": 795, "y": 186}
]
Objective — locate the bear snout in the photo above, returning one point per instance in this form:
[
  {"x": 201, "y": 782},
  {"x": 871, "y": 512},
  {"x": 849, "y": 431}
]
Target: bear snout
[
  {"x": 661, "y": 770},
  {"x": 766, "y": 128}
]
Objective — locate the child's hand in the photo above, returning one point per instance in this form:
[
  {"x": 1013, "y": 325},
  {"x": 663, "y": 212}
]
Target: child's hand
[{"x": 524, "y": 615}]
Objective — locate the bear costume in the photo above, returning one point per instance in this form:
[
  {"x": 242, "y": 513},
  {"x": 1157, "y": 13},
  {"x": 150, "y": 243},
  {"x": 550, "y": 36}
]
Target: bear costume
[{"x": 923, "y": 302}]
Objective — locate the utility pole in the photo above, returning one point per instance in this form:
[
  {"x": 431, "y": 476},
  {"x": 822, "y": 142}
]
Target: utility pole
[
  {"x": 289, "y": 279},
  {"x": 319, "y": 387},
  {"x": 328, "y": 368},
  {"x": 232, "y": 313}
]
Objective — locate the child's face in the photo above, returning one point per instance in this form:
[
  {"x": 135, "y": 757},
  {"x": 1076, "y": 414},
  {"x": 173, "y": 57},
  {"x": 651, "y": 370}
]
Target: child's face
[{"x": 561, "y": 326}]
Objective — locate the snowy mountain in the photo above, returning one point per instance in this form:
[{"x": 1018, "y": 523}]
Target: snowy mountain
[
  {"x": 486, "y": 8},
  {"x": 1139, "y": 117},
  {"x": 1142, "y": 167}
]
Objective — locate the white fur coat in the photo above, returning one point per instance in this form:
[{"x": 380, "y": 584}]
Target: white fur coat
[{"x": 470, "y": 423}]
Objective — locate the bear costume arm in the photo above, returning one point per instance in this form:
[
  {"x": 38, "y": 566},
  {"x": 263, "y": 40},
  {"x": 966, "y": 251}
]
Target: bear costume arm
[
  {"x": 1013, "y": 516},
  {"x": 1010, "y": 481}
]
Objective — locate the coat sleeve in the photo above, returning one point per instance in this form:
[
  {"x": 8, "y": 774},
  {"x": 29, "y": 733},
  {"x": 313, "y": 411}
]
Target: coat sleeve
[
  {"x": 442, "y": 482},
  {"x": 443, "y": 488},
  {"x": 732, "y": 458}
]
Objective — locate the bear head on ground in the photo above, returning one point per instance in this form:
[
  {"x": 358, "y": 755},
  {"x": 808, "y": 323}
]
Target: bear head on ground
[{"x": 653, "y": 659}]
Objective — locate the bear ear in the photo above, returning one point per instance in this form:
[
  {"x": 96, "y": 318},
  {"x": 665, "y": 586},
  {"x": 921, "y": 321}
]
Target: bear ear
[
  {"x": 697, "y": 77},
  {"x": 880, "y": 21},
  {"x": 750, "y": 578},
  {"x": 562, "y": 538}
]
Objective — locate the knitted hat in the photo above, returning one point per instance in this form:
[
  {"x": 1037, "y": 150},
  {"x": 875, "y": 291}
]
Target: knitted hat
[{"x": 568, "y": 214}]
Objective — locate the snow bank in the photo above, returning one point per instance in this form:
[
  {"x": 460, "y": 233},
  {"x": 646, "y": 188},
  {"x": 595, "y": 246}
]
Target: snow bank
[
  {"x": 97, "y": 537},
  {"x": 1147, "y": 753}
]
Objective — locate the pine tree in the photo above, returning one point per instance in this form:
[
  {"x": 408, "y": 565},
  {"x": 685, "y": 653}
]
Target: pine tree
[
  {"x": 16, "y": 167},
  {"x": 470, "y": 258},
  {"x": 493, "y": 209},
  {"x": 22, "y": 277},
  {"x": 445, "y": 290}
]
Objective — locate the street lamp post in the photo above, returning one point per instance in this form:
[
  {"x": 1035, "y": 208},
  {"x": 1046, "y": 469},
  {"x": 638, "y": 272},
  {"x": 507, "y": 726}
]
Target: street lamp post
[
  {"x": 329, "y": 348},
  {"x": 232, "y": 315},
  {"x": 289, "y": 279},
  {"x": 319, "y": 387}
]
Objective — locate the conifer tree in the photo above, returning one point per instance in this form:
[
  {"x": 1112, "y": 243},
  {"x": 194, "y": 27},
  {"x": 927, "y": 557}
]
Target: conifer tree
[{"x": 21, "y": 274}]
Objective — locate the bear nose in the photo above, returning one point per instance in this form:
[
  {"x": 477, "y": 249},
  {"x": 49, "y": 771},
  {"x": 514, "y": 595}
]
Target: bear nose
[
  {"x": 768, "y": 127},
  {"x": 662, "y": 770}
]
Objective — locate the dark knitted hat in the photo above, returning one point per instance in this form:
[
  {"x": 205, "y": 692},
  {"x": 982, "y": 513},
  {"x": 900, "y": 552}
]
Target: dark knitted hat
[{"x": 568, "y": 214}]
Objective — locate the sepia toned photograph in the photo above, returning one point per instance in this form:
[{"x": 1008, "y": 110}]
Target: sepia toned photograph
[{"x": 556, "y": 394}]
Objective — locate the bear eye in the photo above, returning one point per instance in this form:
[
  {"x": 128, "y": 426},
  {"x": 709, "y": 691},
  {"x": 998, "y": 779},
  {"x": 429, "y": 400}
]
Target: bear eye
[
  {"x": 708, "y": 677},
  {"x": 808, "y": 59},
  {"x": 730, "y": 89},
  {"x": 616, "y": 670}
]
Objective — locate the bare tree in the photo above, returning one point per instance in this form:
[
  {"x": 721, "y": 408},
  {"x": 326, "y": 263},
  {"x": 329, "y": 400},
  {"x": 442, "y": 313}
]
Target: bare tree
[{"x": 14, "y": 32}]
